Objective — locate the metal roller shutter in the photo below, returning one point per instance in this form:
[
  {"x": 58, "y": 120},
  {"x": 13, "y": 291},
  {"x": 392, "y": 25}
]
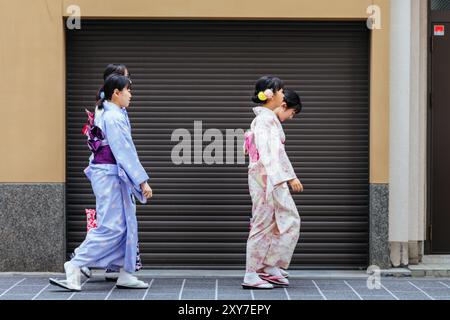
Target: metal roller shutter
[{"x": 186, "y": 71}]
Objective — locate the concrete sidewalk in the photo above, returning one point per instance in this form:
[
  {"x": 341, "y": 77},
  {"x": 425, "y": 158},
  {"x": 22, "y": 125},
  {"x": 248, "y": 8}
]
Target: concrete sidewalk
[{"x": 225, "y": 285}]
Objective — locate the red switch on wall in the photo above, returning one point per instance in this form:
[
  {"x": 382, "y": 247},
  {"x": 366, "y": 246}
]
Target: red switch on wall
[{"x": 439, "y": 30}]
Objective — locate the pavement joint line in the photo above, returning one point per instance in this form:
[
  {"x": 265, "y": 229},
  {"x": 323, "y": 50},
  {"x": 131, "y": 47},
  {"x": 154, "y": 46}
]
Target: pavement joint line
[
  {"x": 253, "y": 295},
  {"x": 12, "y": 286},
  {"x": 403, "y": 291},
  {"x": 444, "y": 284},
  {"x": 71, "y": 296},
  {"x": 396, "y": 298},
  {"x": 287, "y": 294},
  {"x": 181, "y": 290},
  {"x": 30, "y": 285},
  {"x": 146, "y": 291},
  {"x": 421, "y": 290},
  {"x": 320, "y": 291},
  {"x": 109, "y": 293},
  {"x": 34, "y": 298},
  {"x": 217, "y": 290},
  {"x": 360, "y": 298}
]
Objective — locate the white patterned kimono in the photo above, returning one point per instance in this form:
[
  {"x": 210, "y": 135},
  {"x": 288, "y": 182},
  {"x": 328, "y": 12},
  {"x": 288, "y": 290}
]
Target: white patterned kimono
[
  {"x": 114, "y": 242},
  {"x": 275, "y": 227}
]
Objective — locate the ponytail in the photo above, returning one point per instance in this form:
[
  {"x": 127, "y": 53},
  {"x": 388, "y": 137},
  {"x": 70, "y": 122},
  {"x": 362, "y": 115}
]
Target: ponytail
[{"x": 100, "y": 97}]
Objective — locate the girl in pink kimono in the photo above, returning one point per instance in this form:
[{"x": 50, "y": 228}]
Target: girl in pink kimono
[{"x": 275, "y": 224}]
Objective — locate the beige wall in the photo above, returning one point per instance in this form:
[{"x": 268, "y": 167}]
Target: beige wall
[
  {"x": 32, "y": 144},
  {"x": 310, "y": 9},
  {"x": 379, "y": 98},
  {"x": 32, "y": 58}
]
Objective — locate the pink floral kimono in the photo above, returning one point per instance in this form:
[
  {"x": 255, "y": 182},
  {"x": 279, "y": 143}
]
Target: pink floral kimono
[{"x": 275, "y": 227}]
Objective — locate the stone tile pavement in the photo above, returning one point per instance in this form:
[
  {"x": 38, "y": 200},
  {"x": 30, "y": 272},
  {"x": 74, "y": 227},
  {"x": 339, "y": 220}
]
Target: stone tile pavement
[{"x": 178, "y": 287}]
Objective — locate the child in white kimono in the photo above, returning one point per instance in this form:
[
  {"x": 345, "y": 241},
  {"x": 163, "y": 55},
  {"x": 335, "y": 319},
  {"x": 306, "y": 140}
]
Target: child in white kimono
[
  {"x": 117, "y": 178},
  {"x": 275, "y": 224}
]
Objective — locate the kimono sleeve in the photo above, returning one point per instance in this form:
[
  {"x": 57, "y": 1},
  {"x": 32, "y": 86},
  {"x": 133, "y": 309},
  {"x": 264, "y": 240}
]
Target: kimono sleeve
[
  {"x": 271, "y": 152},
  {"x": 122, "y": 146},
  {"x": 286, "y": 165}
]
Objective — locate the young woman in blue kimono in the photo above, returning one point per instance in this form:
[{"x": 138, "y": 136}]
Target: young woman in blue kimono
[
  {"x": 112, "y": 272},
  {"x": 117, "y": 178}
]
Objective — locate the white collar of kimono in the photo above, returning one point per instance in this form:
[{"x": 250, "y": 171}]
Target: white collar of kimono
[
  {"x": 112, "y": 106},
  {"x": 267, "y": 111}
]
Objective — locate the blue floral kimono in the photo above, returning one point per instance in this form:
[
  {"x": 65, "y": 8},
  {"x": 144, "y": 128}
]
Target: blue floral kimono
[{"x": 116, "y": 184}]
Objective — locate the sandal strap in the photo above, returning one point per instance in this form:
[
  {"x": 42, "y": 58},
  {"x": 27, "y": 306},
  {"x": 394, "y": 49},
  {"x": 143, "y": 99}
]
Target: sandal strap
[{"x": 273, "y": 277}]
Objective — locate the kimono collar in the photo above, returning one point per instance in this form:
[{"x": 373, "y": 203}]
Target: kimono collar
[
  {"x": 263, "y": 110},
  {"x": 112, "y": 107},
  {"x": 266, "y": 111}
]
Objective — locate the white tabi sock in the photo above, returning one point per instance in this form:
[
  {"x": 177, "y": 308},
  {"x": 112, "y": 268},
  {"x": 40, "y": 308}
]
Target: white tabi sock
[
  {"x": 125, "y": 276},
  {"x": 252, "y": 278},
  {"x": 273, "y": 271}
]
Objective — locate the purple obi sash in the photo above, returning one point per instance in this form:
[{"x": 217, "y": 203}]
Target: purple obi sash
[{"x": 104, "y": 155}]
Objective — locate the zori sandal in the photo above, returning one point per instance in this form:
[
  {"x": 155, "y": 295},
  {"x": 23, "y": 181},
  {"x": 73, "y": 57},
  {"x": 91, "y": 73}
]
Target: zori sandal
[
  {"x": 278, "y": 280},
  {"x": 283, "y": 273},
  {"x": 65, "y": 285},
  {"x": 261, "y": 285}
]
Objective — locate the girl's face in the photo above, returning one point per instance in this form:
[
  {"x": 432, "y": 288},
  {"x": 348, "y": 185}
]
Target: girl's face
[
  {"x": 278, "y": 97},
  {"x": 122, "y": 98},
  {"x": 284, "y": 113}
]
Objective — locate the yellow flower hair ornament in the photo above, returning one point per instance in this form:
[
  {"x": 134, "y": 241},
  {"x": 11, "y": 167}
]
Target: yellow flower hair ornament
[{"x": 267, "y": 94}]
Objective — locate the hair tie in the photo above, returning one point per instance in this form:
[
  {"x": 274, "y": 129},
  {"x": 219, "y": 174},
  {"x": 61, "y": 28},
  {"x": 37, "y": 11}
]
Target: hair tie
[
  {"x": 267, "y": 94},
  {"x": 102, "y": 95}
]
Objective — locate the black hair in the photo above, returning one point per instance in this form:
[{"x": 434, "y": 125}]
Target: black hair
[
  {"x": 292, "y": 100},
  {"x": 113, "y": 82},
  {"x": 114, "y": 68},
  {"x": 264, "y": 83}
]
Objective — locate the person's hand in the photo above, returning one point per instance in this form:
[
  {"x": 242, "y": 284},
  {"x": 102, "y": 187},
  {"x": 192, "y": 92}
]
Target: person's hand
[
  {"x": 296, "y": 185},
  {"x": 146, "y": 190}
]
